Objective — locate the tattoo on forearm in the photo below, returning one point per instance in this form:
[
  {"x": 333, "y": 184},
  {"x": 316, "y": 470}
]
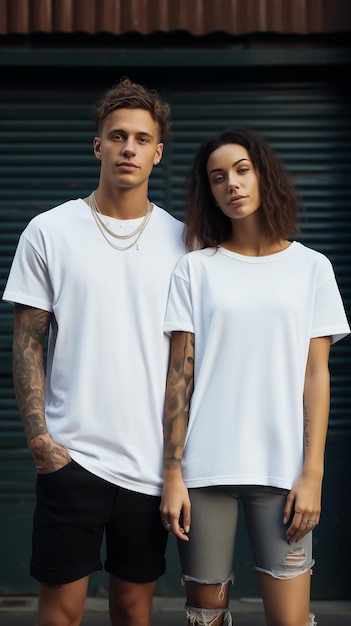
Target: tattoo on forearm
[
  {"x": 30, "y": 328},
  {"x": 180, "y": 383},
  {"x": 306, "y": 425}
]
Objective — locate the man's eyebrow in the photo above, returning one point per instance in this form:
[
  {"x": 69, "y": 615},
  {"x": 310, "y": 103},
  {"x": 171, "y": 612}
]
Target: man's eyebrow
[{"x": 123, "y": 131}]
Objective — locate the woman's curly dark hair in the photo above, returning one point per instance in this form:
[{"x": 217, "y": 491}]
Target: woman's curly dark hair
[{"x": 206, "y": 224}]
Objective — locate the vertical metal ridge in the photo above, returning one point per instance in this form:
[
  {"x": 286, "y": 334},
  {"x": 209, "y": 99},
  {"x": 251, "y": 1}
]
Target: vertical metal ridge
[{"x": 198, "y": 17}]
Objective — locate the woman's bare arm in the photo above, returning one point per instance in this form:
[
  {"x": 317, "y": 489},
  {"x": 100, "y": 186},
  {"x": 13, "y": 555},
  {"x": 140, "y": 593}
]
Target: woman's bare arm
[
  {"x": 306, "y": 493},
  {"x": 175, "y": 503}
]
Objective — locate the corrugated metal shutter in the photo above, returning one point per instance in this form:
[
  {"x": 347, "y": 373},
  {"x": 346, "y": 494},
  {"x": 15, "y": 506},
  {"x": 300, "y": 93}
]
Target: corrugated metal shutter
[
  {"x": 47, "y": 159},
  {"x": 309, "y": 127},
  {"x": 149, "y": 16}
]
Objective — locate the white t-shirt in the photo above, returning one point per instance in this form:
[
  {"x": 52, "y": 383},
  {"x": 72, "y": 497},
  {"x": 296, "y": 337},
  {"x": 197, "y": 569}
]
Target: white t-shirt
[
  {"x": 253, "y": 318},
  {"x": 107, "y": 354}
]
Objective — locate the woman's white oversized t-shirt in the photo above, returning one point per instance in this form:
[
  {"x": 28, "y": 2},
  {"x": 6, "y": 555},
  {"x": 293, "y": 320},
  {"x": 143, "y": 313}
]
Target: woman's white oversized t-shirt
[{"x": 253, "y": 318}]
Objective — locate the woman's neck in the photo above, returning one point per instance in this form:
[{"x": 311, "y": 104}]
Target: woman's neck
[{"x": 259, "y": 246}]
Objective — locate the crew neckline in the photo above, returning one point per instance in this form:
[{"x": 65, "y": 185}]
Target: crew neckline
[
  {"x": 118, "y": 221},
  {"x": 258, "y": 259}
]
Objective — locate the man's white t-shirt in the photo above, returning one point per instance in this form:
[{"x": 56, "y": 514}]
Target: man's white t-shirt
[
  {"x": 107, "y": 354},
  {"x": 253, "y": 319}
]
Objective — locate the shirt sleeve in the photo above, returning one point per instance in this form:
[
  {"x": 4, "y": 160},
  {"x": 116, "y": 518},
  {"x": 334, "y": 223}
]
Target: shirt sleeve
[
  {"x": 329, "y": 316},
  {"x": 179, "y": 313},
  {"x": 28, "y": 281}
]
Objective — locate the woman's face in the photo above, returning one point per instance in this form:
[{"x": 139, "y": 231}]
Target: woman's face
[{"x": 233, "y": 181}]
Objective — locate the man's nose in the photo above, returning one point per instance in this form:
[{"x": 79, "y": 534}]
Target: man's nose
[{"x": 129, "y": 147}]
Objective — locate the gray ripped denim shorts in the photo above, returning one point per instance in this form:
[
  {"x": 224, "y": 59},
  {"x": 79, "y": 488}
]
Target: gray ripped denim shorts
[{"x": 208, "y": 556}]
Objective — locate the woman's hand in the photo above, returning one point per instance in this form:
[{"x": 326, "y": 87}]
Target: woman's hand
[
  {"x": 303, "y": 506},
  {"x": 175, "y": 507}
]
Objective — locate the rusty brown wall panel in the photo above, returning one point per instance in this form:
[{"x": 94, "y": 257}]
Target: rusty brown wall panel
[{"x": 198, "y": 17}]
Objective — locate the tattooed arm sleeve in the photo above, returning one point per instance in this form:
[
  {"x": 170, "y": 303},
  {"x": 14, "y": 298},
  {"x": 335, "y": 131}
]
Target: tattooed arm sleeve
[
  {"x": 30, "y": 329},
  {"x": 179, "y": 388}
]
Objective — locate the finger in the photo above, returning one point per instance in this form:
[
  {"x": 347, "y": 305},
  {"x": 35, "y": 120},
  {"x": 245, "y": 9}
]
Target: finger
[
  {"x": 297, "y": 532},
  {"x": 309, "y": 523},
  {"x": 296, "y": 528},
  {"x": 288, "y": 509},
  {"x": 178, "y": 531},
  {"x": 177, "y": 527},
  {"x": 186, "y": 517},
  {"x": 295, "y": 517},
  {"x": 173, "y": 526},
  {"x": 291, "y": 533}
]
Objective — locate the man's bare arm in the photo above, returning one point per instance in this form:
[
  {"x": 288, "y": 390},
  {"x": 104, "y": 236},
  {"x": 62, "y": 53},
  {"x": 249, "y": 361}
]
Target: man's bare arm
[{"x": 30, "y": 329}]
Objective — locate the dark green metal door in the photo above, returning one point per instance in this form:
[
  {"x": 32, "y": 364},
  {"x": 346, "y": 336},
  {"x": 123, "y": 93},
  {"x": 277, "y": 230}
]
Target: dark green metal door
[{"x": 46, "y": 131}]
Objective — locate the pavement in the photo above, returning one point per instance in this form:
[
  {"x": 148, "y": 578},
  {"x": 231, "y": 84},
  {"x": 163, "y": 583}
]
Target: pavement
[{"x": 20, "y": 611}]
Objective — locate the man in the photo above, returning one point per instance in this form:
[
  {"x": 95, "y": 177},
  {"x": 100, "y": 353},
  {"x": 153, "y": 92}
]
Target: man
[{"x": 94, "y": 274}]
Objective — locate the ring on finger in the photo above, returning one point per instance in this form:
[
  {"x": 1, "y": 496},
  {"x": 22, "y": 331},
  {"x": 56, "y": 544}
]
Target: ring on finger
[{"x": 310, "y": 522}]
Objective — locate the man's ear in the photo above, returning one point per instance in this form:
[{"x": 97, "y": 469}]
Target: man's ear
[
  {"x": 97, "y": 147},
  {"x": 158, "y": 153}
]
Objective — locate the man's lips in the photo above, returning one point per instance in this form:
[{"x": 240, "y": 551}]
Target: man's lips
[{"x": 127, "y": 165}]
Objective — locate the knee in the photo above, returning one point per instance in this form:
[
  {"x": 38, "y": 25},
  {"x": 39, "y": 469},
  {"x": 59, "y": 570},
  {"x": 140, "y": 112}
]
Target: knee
[
  {"x": 54, "y": 618},
  {"x": 208, "y": 617},
  {"x": 131, "y": 615},
  {"x": 207, "y": 602}
]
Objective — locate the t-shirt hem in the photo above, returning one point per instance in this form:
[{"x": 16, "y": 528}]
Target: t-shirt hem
[
  {"x": 131, "y": 485},
  {"x": 238, "y": 480}
]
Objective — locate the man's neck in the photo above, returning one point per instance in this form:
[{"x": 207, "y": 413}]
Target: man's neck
[{"x": 127, "y": 205}]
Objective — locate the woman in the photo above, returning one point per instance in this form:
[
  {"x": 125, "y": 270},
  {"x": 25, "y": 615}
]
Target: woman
[{"x": 252, "y": 316}]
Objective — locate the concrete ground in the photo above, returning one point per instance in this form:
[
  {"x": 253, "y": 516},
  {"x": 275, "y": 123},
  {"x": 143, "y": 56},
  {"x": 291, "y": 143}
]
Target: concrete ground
[{"x": 20, "y": 611}]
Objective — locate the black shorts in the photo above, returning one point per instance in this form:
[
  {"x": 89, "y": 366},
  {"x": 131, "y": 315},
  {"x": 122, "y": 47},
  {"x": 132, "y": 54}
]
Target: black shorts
[{"x": 73, "y": 510}]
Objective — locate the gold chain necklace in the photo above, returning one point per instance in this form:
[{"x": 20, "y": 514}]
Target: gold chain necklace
[{"x": 103, "y": 227}]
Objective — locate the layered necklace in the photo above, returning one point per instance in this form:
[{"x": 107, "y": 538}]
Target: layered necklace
[{"x": 105, "y": 230}]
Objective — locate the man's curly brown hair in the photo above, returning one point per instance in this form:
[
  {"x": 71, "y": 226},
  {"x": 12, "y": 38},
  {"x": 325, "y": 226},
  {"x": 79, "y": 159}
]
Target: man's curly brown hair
[{"x": 129, "y": 95}]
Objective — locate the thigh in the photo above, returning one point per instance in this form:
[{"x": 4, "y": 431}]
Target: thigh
[
  {"x": 69, "y": 518},
  {"x": 135, "y": 538},
  {"x": 208, "y": 555},
  {"x": 263, "y": 508}
]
